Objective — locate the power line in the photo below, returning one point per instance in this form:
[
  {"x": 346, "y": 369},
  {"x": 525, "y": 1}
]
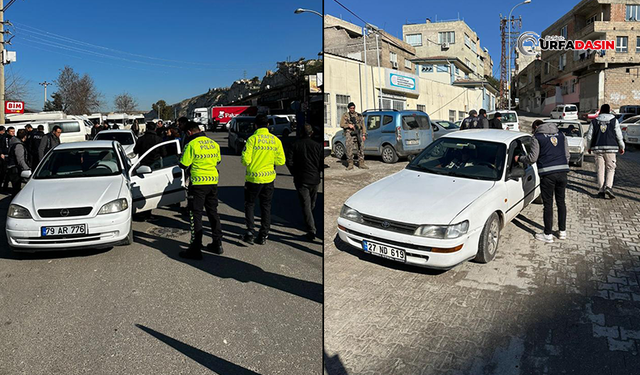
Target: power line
[{"x": 350, "y": 11}]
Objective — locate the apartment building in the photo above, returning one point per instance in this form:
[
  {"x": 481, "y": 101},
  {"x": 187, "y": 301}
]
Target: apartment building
[
  {"x": 452, "y": 39},
  {"x": 587, "y": 78}
]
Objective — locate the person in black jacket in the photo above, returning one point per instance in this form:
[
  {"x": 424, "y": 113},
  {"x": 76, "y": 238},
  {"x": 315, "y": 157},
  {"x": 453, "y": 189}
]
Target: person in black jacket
[
  {"x": 496, "y": 121},
  {"x": 145, "y": 143},
  {"x": 483, "y": 122},
  {"x": 18, "y": 160},
  {"x": 305, "y": 161},
  {"x": 4, "y": 155},
  {"x": 34, "y": 144}
]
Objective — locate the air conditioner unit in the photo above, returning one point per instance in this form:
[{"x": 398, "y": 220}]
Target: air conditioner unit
[
  {"x": 394, "y": 64},
  {"x": 445, "y": 45}
]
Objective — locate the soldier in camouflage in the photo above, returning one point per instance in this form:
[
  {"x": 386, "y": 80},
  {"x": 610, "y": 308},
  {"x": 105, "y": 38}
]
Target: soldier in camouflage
[{"x": 355, "y": 133}]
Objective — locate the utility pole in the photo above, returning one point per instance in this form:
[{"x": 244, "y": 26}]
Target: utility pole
[{"x": 45, "y": 84}]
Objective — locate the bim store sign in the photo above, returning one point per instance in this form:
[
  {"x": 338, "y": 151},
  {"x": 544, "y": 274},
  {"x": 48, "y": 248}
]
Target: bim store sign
[
  {"x": 528, "y": 40},
  {"x": 401, "y": 82},
  {"x": 13, "y": 107}
]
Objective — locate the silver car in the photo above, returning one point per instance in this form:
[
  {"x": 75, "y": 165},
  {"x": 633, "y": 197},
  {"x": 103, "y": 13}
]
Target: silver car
[{"x": 442, "y": 127}]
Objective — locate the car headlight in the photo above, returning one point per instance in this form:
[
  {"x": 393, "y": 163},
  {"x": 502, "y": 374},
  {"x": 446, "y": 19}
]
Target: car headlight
[
  {"x": 351, "y": 214},
  {"x": 443, "y": 231},
  {"x": 114, "y": 206},
  {"x": 18, "y": 212},
  {"x": 576, "y": 149}
]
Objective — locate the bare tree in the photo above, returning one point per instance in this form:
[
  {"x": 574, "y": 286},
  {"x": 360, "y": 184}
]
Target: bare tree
[
  {"x": 125, "y": 103},
  {"x": 79, "y": 95}
]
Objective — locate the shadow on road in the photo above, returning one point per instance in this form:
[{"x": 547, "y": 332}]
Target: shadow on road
[
  {"x": 229, "y": 268},
  {"x": 210, "y": 361},
  {"x": 333, "y": 365}
]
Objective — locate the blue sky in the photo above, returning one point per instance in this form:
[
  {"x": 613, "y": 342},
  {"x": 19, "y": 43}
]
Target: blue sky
[
  {"x": 483, "y": 16},
  {"x": 169, "y": 50}
]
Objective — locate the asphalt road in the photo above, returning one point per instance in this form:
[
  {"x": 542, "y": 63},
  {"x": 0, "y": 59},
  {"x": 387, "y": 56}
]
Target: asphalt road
[{"x": 140, "y": 309}]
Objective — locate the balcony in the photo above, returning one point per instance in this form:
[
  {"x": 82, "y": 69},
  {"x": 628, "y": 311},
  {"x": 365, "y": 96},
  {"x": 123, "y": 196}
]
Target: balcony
[{"x": 595, "y": 30}]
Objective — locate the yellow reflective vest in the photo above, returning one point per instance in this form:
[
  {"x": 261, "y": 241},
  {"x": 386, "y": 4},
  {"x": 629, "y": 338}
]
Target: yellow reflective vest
[
  {"x": 202, "y": 154},
  {"x": 261, "y": 153}
]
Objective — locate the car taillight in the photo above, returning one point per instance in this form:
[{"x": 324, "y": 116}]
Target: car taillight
[
  {"x": 563, "y": 114},
  {"x": 398, "y": 134},
  {"x": 624, "y": 129},
  {"x": 326, "y": 143}
]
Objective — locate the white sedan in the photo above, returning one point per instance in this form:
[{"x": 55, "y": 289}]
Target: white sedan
[
  {"x": 126, "y": 138},
  {"x": 83, "y": 195},
  {"x": 450, "y": 203}
]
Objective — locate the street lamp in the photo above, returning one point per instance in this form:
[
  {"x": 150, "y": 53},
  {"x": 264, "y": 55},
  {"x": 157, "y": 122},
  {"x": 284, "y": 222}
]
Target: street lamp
[
  {"x": 509, "y": 58},
  {"x": 301, "y": 10}
]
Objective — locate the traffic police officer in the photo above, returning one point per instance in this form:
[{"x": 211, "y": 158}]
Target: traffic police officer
[
  {"x": 202, "y": 155},
  {"x": 350, "y": 120},
  {"x": 262, "y": 151},
  {"x": 550, "y": 149}
]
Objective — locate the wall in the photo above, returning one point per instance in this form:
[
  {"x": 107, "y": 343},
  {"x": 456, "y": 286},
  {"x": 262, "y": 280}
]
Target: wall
[{"x": 622, "y": 88}]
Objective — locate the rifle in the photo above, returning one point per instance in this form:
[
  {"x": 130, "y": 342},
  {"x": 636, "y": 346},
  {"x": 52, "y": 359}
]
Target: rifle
[{"x": 357, "y": 129}]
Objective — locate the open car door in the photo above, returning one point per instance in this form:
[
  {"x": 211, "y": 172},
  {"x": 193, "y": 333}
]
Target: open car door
[{"x": 159, "y": 182}]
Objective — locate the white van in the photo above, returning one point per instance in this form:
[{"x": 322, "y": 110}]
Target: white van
[
  {"x": 72, "y": 130},
  {"x": 509, "y": 119},
  {"x": 565, "y": 112}
]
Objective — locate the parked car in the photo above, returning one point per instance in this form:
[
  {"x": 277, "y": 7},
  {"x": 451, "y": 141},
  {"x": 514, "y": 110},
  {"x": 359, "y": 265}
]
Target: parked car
[
  {"x": 509, "y": 119},
  {"x": 623, "y": 116},
  {"x": 83, "y": 195},
  {"x": 631, "y": 131},
  {"x": 126, "y": 138},
  {"x": 240, "y": 129},
  {"x": 279, "y": 125},
  {"x": 565, "y": 112},
  {"x": 572, "y": 129},
  {"x": 458, "y": 123},
  {"x": 442, "y": 127},
  {"x": 448, "y": 205},
  {"x": 327, "y": 145},
  {"x": 391, "y": 134},
  {"x": 634, "y": 109}
]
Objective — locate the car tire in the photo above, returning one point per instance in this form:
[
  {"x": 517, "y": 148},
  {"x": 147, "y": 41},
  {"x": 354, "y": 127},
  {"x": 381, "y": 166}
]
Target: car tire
[
  {"x": 489, "y": 239},
  {"x": 339, "y": 151},
  {"x": 579, "y": 162},
  {"x": 389, "y": 155}
]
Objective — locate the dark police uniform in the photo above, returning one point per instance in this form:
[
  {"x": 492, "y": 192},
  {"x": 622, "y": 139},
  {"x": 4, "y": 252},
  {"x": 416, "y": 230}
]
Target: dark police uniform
[
  {"x": 470, "y": 122},
  {"x": 202, "y": 156},
  {"x": 550, "y": 150}
]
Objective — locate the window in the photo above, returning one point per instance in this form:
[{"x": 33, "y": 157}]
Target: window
[
  {"x": 67, "y": 127},
  {"x": 460, "y": 115},
  {"x": 414, "y": 39},
  {"x": 422, "y": 108},
  {"x": 452, "y": 115},
  {"x": 341, "y": 106},
  {"x": 407, "y": 64},
  {"x": 398, "y": 105},
  {"x": 563, "y": 31},
  {"x": 638, "y": 44},
  {"x": 168, "y": 157},
  {"x": 592, "y": 19},
  {"x": 327, "y": 109},
  {"x": 573, "y": 85},
  {"x": 474, "y": 46},
  {"x": 530, "y": 77},
  {"x": 546, "y": 68},
  {"x": 622, "y": 44},
  {"x": 392, "y": 103},
  {"x": 393, "y": 57},
  {"x": 457, "y": 70},
  {"x": 387, "y": 120},
  {"x": 467, "y": 62},
  {"x": 473, "y": 68},
  {"x": 447, "y": 37},
  {"x": 467, "y": 41},
  {"x": 442, "y": 68},
  {"x": 562, "y": 62},
  {"x": 373, "y": 122},
  {"x": 633, "y": 13},
  {"x": 426, "y": 69}
]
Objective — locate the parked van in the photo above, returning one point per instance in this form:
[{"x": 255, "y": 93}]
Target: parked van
[
  {"x": 391, "y": 134},
  {"x": 509, "y": 119},
  {"x": 72, "y": 130},
  {"x": 635, "y": 109},
  {"x": 565, "y": 112}
]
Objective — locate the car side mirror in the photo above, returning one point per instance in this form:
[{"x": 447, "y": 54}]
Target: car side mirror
[
  {"x": 517, "y": 172},
  {"x": 25, "y": 174},
  {"x": 143, "y": 169},
  {"x": 435, "y": 128}
]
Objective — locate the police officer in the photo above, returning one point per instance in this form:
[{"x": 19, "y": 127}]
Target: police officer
[
  {"x": 470, "y": 122},
  {"x": 202, "y": 156},
  {"x": 262, "y": 151},
  {"x": 604, "y": 138},
  {"x": 36, "y": 138},
  {"x": 352, "y": 121},
  {"x": 550, "y": 149}
]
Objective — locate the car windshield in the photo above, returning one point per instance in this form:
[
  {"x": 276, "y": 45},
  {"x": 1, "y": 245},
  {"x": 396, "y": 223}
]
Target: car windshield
[
  {"x": 245, "y": 125},
  {"x": 570, "y": 108},
  {"x": 88, "y": 162},
  {"x": 414, "y": 122},
  {"x": 465, "y": 158},
  {"x": 123, "y": 138},
  {"x": 509, "y": 117},
  {"x": 448, "y": 125},
  {"x": 631, "y": 120},
  {"x": 570, "y": 129}
]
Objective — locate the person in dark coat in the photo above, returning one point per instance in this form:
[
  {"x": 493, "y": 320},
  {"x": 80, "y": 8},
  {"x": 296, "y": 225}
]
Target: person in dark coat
[
  {"x": 49, "y": 141},
  {"x": 145, "y": 143},
  {"x": 34, "y": 145},
  {"x": 305, "y": 161},
  {"x": 483, "y": 122},
  {"x": 18, "y": 160},
  {"x": 496, "y": 121},
  {"x": 4, "y": 155},
  {"x": 470, "y": 122}
]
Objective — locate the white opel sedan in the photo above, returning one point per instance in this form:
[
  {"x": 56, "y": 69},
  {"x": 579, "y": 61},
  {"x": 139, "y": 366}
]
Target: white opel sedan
[
  {"x": 83, "y": 195},
  {"x": 449, "y": 204}
]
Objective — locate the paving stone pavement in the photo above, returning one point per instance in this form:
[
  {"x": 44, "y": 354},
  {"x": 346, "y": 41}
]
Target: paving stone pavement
[{"x": 571, "y": 307}]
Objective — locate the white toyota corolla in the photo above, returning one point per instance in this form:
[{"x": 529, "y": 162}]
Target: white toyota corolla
[
  {"x": 82, "y": 195},
  {"x": 449, "y": 204}
]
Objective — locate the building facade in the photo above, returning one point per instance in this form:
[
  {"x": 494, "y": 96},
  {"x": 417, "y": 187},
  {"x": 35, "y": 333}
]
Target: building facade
[
  {"x": 453, "y": 39},
  {"x": 588, "y": 78}
]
